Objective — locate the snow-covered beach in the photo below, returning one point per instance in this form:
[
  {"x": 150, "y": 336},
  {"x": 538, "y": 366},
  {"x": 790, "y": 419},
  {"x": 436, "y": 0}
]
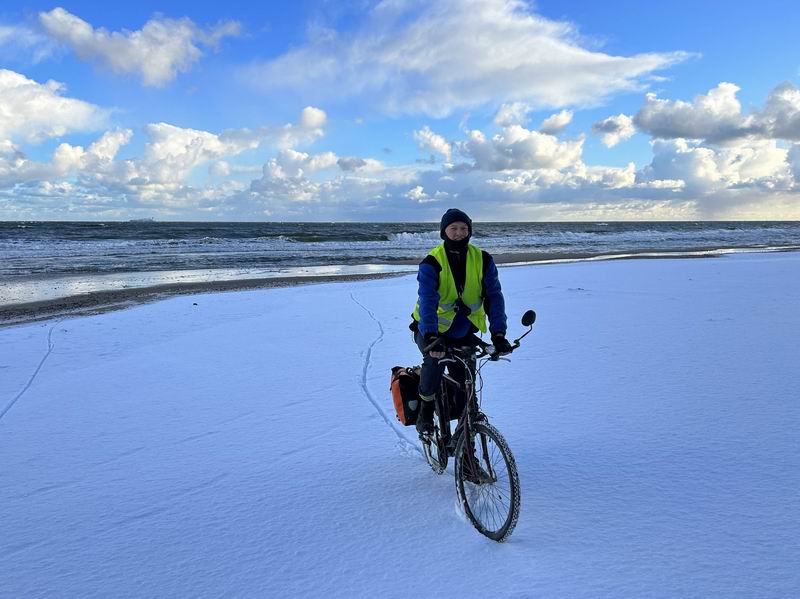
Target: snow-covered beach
[{"x": 244, "y": 444}]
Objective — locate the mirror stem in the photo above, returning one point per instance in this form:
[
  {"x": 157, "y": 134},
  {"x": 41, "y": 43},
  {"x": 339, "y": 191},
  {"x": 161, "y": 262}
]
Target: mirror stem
[{"x": 530, "y": 328}]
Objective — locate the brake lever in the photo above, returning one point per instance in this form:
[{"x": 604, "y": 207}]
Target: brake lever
[
  {"x": 494, "y": 357},
  {"x": 498, "y": 357}
]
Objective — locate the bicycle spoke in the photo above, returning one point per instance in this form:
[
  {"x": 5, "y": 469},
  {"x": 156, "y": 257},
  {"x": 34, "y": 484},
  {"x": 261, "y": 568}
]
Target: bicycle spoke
[
  {"x": 497, "y": 503},
  {"x": 487, "y": 512},
  {"x": 491, "y": 516},
  {"x": 497, "y": 458},
  {"x": 492, "y": 512},
  {"x": 506, "y": 495},
  {"x": 502, "y": 513}
]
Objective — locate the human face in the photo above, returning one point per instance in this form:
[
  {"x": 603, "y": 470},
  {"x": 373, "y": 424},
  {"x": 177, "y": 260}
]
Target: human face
[{"x": 457, "y": 231}]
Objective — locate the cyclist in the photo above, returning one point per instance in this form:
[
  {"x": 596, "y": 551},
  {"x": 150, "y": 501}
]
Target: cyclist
[{"x": 458, "y": 288}]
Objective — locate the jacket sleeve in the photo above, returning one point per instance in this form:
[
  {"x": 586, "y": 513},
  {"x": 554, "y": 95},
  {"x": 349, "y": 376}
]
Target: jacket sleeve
[
  {"x": 428, "y": 279},
  {"x": 493, "y": 301}
]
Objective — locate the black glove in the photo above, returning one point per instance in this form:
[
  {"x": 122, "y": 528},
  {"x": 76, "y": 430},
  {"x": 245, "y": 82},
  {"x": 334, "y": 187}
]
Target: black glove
[
  {"x": 432, "y": 338},
  {"x": 501, "y": 344}
]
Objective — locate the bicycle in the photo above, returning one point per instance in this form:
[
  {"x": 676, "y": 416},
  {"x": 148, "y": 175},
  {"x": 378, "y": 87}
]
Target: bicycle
[{"x": 486, "y": 478}]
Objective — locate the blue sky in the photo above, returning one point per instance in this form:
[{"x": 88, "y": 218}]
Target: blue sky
[{"x": 397, "y": 110}]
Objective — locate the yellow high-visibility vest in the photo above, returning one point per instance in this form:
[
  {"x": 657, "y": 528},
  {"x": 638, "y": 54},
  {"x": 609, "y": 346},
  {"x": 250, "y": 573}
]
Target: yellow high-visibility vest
[{"x": 448, "y": 293}]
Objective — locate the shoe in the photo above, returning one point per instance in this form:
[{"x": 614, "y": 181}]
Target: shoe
[
  {"x": 476, "y": 475},
  {"x": 478, "y": 478},
  {"x": 425, "y": 417},
  {"x": 478, "y": 416}
]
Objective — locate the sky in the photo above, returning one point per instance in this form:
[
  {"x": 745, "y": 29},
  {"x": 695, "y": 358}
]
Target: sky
[{"x": 400, "y": 109}]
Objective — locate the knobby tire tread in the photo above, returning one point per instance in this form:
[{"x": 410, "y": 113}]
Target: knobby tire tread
[{"x": 510, "y": 522}]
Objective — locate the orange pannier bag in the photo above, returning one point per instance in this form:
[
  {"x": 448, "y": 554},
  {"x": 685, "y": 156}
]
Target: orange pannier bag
[{"x": 405, "y": 394}]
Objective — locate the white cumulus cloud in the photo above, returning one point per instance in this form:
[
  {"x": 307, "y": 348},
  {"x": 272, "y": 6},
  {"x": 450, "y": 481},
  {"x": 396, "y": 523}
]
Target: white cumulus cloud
[
  {"x": 67, "y": 160},
  {"x": 157, "y": 52},
  {"x": 291, "y": 164},
  {"x": 106, "y": 148},
  {"x": 614, "y": 129},
  {"x": 519, "y": 148},
  {"x": 429, "y": 141},
  {"x": 160, "y": 176},
  {"x": 172, "y": 152},
  {"x": 716, "y": 116},
  {"x": 32, "y": 112},
  {"x": 312, "y": 118},
  {"x": 417, "y": 194},
  {"x": 705, "y": 169},
  {"x": 309, "y": 128},
  {"x": 780, "y": 118},
  {"x": 556, "y": 123}
]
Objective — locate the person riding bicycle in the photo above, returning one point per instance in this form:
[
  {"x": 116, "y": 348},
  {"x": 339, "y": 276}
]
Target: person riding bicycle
[{"x": 458, "y": 287}]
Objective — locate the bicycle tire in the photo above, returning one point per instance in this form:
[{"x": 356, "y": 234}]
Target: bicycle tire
[
  {"x": 492, "y": 508},
  {"x": 439, "y": 444}
]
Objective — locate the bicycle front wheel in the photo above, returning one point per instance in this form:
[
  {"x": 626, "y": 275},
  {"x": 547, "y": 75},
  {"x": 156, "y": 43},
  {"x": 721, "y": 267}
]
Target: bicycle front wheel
[{"x": 487, "y": 481}]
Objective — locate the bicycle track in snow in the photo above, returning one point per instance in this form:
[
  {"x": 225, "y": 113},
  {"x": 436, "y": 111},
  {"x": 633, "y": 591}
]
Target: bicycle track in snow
[
  {"x": 50, "y": 347},
  {"x": 404, "y": 442}
]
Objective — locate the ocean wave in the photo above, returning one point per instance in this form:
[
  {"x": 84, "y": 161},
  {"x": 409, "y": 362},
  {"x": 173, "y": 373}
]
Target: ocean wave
[
  {"x": 405, "y": 237},
  {"x": 346, "y": 237}
]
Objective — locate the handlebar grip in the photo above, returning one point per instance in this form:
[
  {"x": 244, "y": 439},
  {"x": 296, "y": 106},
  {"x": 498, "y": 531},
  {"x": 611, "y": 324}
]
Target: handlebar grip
[{"x": 433, "y": 344}]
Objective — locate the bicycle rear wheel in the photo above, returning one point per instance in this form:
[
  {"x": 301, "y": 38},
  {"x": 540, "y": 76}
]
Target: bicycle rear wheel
[{"x": 487, "y": 482}]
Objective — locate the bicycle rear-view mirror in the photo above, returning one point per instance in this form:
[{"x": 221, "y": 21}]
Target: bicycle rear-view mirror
[
  {"x": 528, "y": 318},
  {"x": 527, "y": 321}
]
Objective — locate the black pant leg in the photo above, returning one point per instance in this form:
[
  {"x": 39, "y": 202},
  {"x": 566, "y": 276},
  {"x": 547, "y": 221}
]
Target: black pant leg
[{"x": 431, "y": 375}]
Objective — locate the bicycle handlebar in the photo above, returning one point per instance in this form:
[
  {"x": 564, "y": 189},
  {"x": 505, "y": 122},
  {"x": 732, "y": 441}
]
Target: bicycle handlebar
[
  {"x": 470, "y": 341},
  {"x": 477, "y": 342},
  {"x": 473, "y": 342}
]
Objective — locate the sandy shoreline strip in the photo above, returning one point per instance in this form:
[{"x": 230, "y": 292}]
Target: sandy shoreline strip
[
  {"x": 97, "y": 302},
  {"x": 105, "y": 301}
]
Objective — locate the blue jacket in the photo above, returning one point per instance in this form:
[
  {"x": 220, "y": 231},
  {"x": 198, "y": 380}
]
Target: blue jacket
[{"x": 493, "y": 302}]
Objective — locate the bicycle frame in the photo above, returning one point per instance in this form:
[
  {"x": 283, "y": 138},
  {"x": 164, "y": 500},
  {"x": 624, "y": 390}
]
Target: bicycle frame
[{"x": 449, "y": 441}]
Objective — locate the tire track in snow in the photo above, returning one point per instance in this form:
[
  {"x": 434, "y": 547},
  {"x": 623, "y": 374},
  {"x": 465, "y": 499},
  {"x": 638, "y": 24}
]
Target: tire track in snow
[
  {"x": 35, "y": 372},
  {"x": 405, "y": 443}
]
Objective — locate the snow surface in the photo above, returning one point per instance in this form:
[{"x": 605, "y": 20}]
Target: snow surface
[{"x": 246, "y": 445}]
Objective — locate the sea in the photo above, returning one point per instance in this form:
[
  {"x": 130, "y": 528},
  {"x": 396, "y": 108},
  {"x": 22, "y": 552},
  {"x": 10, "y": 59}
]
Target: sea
[{"x": 43, "y": 260}]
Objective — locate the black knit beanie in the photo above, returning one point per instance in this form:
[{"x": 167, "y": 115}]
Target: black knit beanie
[{"x": 454, "y": 215}]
